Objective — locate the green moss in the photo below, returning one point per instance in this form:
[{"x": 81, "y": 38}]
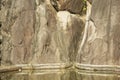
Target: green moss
[{"x": 85, "y": 5}]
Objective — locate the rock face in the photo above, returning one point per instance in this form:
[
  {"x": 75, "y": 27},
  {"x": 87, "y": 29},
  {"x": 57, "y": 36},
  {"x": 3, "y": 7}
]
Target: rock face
[
  {"x": 73, "y": 6},
  {"x": 69, "y": 32},
  {"x": 17, "y": 30},
  {"x": 34, "y": 33},
  {"x": 101, "y": 37}
]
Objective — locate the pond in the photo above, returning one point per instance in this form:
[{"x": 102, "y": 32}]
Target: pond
[{"x": 57, "y": 75}]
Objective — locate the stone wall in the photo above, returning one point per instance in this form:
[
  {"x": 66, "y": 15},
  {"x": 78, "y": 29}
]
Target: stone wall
[
  {"x": 34, "y": 33},
  {"x": 38, "y": 32},
  {"x": 101, "y": 36}
]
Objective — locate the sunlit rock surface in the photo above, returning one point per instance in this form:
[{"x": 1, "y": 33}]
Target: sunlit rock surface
[
  {"x": 35, "y": 33},
  {"x": 102, "y": 35},
  {"x": 69, "y": 32},
  {"x": 17, "y": 30}
]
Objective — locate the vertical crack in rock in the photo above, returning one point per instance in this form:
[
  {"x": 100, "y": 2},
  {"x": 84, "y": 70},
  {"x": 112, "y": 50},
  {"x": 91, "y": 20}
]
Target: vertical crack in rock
[
  {"x": 0, "y": 32},
  {"x": 84, "y": 38},
  {"x": 0, "y": 42}
]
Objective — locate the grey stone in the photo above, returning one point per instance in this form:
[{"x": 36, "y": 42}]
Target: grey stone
[
  {"x": 34, "y": 34},
  {"x": 101, "y": 42}
]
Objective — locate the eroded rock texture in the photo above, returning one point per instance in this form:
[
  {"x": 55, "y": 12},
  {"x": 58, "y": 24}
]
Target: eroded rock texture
[
  {"x": 17, "y": 30},
  {"x": 69, "y": 32},
  {"x": 73, "y": 6},
  {"x": 35, "y": 33},
  {"x": 102, "y": 34}
]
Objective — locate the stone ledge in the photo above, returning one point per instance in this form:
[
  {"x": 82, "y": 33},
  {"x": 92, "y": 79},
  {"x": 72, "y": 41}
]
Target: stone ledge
[
  {"x": 9, "y": 69},
  {"x": 102, "y": 68},
  {"x": 44, "y": 66}
]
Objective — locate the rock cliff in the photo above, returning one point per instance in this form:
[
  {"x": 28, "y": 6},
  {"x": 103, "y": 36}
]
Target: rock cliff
[{"x": 34, "y": 32}]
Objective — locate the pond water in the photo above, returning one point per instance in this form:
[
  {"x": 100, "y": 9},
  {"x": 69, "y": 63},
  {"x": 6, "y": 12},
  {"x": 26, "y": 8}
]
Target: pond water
[{"x": 57, "y": 75}]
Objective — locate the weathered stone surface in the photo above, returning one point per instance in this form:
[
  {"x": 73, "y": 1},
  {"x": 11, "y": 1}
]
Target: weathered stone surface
[
  {"x": 45, "y": 26},
  {"x": 101, "y": 37},
  {"x": 73, "y": 6},
  {"x": 34, "y": 33},
  {"x": 56, "y": 38},
  {"x": 17, "y": 31},
  {"x": 69, "y": 30},
  {"x": 0, "y": 41}
]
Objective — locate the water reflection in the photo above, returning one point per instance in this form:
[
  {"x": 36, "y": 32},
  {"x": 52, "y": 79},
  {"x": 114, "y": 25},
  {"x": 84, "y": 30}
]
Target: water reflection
[{"x": 57, "y": 75}]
